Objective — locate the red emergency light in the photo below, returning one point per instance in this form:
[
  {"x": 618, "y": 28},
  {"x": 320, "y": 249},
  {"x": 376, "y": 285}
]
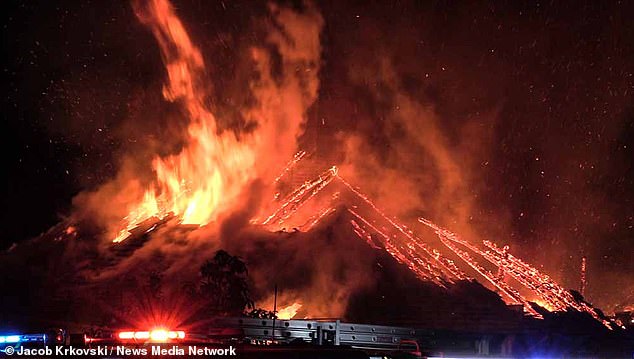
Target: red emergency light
[{"x": 155, "y": 335}]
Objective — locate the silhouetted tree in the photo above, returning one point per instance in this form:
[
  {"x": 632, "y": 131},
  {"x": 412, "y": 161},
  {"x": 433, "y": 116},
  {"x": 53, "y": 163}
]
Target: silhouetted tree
[
  {"x": 260, "y": 313},
  {"x": 224, "y": 285},
  {"x": 155, "y": 285}
]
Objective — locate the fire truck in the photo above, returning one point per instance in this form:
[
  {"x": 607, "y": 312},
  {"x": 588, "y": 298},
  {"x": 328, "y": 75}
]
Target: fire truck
[{"x": 249, "y": 337}]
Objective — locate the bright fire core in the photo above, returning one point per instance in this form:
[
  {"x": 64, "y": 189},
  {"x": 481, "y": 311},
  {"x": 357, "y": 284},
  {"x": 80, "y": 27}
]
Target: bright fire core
[{"x": 212, "y": 167}]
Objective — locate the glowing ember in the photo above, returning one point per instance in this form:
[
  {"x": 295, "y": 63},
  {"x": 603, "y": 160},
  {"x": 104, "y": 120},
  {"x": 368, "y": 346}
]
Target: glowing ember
[
  {"x": 544, "y": 305},
  {"x": 300, "y": 196},
  {"x": 289, "y": 166},
  {"x": 289, "y": 312},
  {"x": 553, "y": 296}
]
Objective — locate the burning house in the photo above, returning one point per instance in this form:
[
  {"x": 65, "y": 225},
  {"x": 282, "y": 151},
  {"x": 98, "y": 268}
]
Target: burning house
[{"x": 245, "y": 217}]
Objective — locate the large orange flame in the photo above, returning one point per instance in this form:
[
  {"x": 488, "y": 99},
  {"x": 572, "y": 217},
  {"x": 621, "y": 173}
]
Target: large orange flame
[
  {"x": 289, "y": 312},
  {"x": 212, "y": 168}
]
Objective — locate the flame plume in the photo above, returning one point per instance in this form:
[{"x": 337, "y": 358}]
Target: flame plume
[
  {"x": 213, "y": 168},
  {"x": 289, "y": 312}
]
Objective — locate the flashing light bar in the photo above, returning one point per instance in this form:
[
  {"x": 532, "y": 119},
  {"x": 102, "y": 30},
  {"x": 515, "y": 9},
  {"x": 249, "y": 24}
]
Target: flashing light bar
[
  {"x": 11, "y": 339},
  {"x": 156, "y": 335}
]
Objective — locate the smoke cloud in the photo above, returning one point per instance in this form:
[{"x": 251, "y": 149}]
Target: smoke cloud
[
  {"x": 282, "y": 75},
  {"x": 416, "y": 113}
]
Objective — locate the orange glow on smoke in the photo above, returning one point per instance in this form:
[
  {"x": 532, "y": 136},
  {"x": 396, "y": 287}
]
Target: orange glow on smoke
[
  {"x": 212, "y": 167},
  {"x": 289, "y": 312},
  {"x": 208, "y": 175}
]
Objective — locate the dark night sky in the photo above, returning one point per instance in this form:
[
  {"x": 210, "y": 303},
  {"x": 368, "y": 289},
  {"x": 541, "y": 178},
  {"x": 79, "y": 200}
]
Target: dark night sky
[{"x": 558, "y": 78}]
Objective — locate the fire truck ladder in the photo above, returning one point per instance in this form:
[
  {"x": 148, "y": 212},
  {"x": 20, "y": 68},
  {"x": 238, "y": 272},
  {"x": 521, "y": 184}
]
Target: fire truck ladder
[{"x": 327, "y": 333}]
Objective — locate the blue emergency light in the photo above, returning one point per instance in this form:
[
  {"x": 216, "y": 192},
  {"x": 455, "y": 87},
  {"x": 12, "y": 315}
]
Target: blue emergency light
[
  {"x": 24, "y": 338},
  {"x": 9, "y": 339}
]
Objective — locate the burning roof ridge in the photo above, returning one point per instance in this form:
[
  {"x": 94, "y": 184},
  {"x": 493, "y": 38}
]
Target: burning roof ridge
[{"x": 429, "y": 264}]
